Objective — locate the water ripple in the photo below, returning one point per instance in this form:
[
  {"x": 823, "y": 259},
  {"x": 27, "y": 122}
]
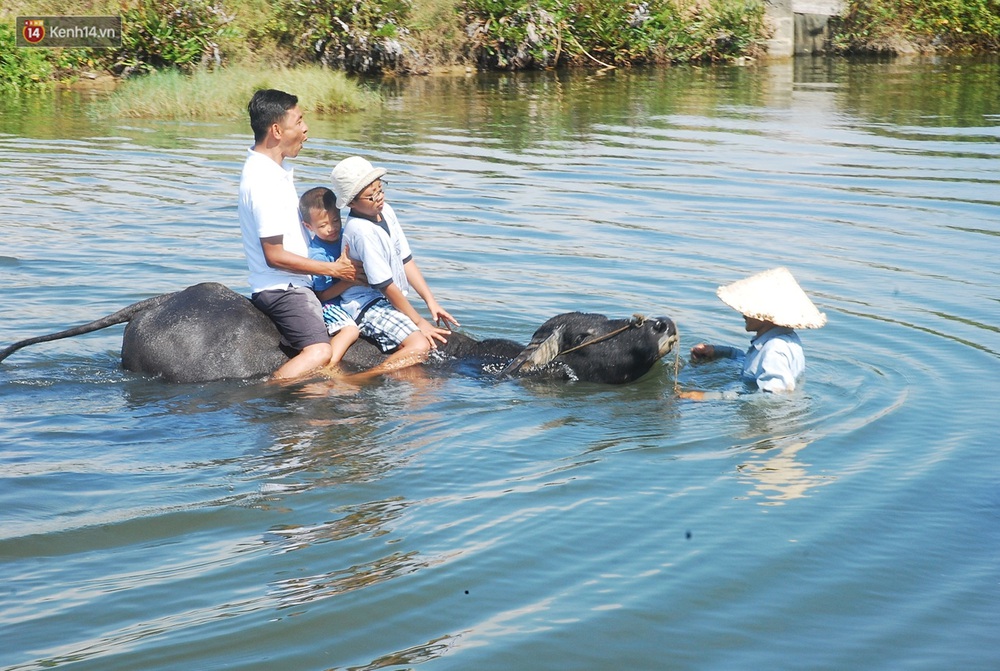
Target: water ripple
[{"x": 525, "y": 524}]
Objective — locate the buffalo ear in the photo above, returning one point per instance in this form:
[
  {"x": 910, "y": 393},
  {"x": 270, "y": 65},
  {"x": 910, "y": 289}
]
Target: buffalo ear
[{"x": 538, "y": 353}]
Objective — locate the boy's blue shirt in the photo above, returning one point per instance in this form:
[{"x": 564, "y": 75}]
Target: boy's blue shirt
[{"x": 321, "y": 250}]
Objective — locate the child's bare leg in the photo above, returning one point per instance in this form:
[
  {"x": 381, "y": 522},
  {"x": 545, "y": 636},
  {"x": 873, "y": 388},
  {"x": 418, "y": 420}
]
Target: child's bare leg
[
  {"x": 411, "y": 351},
  {"x": 310, "y": 359},
  {"x": 340, "y": 343}
]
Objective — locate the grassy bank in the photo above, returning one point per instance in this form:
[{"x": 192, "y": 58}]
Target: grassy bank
[
  {"x": 391, "y": 36},
  {"x": 224, "y": 92},
  {"x": 929, "y": 26},
  {"x": 414, "y": 36}
]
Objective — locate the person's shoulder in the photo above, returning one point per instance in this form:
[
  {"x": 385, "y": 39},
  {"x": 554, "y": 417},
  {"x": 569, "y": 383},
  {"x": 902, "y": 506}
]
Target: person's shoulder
[
  {"x": 788, "y": 337},
  {"x": 262, "y": 168},
  {"x": 316, "y": 252},
  {"x": 249, "y": 170},
  {"x": 783, "y": 343},
  {"x": 390, "y": 216},
  {"x": 358, "y": 225},
  {"x": 255, "y": 162},
  {"x": 319, "y": 245}
]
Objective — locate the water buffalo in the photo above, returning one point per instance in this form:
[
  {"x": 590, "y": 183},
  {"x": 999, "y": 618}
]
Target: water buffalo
[{"x": 208, "y": 332}]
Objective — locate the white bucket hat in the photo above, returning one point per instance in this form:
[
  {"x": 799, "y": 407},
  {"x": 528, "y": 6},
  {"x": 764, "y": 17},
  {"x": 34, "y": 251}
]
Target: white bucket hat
[
  {"x": 351, "y": 176},
  {"x": 773, "y": 296}
]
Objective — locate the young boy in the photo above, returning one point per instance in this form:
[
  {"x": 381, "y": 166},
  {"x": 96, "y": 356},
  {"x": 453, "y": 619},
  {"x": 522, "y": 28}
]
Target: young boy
[
  {"x": 373, "y": 236},
  {"x": 773, "y": 305},
  {"x": 319, "y": 214}
]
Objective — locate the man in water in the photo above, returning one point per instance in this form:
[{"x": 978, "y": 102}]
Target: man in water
[
  {"x": 274, "y": 240},
  {"x": 773, "y": 305}
]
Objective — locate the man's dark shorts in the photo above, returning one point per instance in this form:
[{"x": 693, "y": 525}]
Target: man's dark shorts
[{"x": 296, "y": 312}]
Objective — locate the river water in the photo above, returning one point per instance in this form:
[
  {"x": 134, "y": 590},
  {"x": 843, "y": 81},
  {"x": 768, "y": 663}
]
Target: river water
[{"x": 460, "y": 523}]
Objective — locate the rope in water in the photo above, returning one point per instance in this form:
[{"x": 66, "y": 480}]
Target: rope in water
[{"x": 677, "y": 364}]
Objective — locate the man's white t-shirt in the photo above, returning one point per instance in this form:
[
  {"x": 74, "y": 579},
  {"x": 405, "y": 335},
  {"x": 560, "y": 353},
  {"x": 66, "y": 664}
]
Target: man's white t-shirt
[{"x": 268, "y": 206}]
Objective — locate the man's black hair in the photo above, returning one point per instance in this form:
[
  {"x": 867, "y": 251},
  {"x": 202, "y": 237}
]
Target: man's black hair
[{"x": 268, "y": 107}]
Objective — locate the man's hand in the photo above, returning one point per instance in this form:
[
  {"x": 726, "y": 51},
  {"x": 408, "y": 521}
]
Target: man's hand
[
  {"x": 702, "y": 352},
  {"x": 345, "y": 268},
  {"x": 692, "y": 395}
]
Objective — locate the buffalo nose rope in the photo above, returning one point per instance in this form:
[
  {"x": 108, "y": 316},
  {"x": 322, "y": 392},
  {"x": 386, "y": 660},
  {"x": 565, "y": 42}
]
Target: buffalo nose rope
[{"x": 677, "y": 363}]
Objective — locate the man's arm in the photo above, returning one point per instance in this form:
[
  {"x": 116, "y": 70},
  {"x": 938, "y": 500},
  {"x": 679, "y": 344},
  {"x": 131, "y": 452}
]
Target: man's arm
[
  {"x": 280, "y": 258},
  {"x": 705, "y": 352},
  {"x": 328, "y": 288}
]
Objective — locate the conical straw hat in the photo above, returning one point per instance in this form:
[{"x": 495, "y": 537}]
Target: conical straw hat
[{"x": 773, "y": 296}]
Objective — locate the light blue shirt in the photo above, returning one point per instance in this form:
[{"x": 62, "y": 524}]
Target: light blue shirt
[{"x": 774, "y": 361}]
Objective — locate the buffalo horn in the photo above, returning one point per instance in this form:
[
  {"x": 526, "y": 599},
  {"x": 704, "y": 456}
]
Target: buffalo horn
[{"x": 538, "y": 353}]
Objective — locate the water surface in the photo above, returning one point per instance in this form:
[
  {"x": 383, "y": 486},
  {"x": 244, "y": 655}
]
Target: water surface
[{"x": 460, "y": 523}]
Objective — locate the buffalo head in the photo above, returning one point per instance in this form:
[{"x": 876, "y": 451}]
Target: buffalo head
[{"x": 593, "y": 348}]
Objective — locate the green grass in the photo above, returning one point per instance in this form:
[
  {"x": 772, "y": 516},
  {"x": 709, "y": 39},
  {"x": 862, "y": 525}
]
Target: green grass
[
  {"x": 930, "y": 25},
  {"x": 21, "y": 69},
  {"x": 223, "y": 93},
  {"x": 182, "y": 42}
]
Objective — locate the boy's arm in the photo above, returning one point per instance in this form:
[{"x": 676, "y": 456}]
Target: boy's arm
[
  {"x": 419, "y": 284},
  {"x": 338, "y": 287},
  {"x": 400, "y": 302},
  {"x": 326, "y": 287}
]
